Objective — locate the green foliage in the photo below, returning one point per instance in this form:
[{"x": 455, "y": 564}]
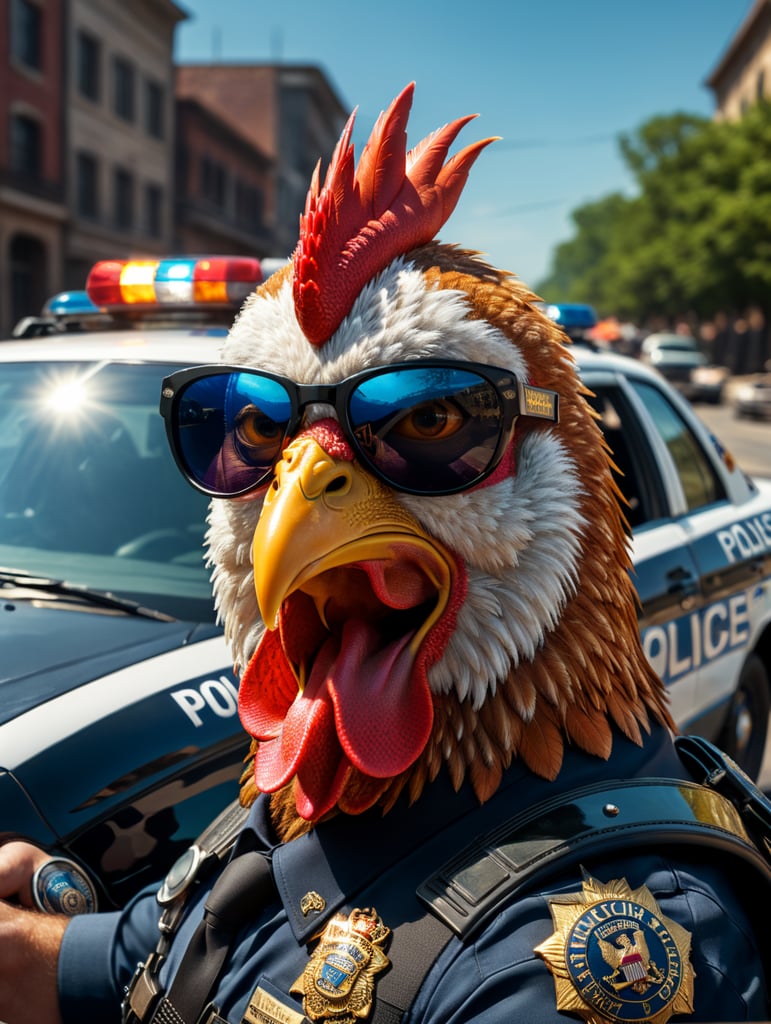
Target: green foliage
[{"x": 697, "y": 235}]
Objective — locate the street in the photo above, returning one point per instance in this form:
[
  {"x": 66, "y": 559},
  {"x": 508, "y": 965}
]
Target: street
[{"x": 749, "y": 441}]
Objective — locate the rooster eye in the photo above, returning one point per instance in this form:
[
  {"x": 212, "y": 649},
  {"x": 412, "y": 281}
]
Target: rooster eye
[
  {"x": 257, "y": 435},
  {"x": 430, "y": 420}
]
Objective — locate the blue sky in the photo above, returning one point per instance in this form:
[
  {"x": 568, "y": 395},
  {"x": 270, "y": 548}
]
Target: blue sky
[{"x": 558, "y": 80}]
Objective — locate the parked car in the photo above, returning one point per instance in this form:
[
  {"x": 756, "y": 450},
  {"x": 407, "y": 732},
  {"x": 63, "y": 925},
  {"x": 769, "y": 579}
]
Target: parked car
[
  {"x": 119, "y": 735},
  {"x": 752, "y": 398},
  {"x": 679, "y": 358}
]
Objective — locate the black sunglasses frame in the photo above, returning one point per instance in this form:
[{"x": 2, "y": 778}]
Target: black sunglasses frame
[{"x": 516, "y": 398}]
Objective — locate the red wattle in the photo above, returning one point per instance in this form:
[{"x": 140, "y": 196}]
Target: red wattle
[{"x": 366, "y": 711}]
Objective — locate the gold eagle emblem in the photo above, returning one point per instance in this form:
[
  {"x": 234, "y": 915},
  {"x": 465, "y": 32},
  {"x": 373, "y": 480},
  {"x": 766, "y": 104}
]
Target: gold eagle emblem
[{"x": 612, "y": 926}]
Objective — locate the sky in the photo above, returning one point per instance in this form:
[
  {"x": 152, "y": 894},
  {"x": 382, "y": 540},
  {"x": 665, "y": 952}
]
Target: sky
[{"x": 558, "y": 80}]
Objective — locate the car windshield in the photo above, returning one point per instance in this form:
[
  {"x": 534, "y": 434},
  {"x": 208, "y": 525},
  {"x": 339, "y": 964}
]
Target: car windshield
[
  {"x": 678, "y": 346},
  {"x": 89, "y": 492},
  {"x": 676, "y": 343}
]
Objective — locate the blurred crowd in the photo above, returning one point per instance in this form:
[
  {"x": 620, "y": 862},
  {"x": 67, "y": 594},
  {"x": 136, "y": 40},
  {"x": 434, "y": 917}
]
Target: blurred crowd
[{"x": 740, "y": 343}]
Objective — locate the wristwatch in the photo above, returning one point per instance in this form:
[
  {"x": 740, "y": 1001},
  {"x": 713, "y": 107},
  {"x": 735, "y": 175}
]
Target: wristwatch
[{"x": 60, "y": 886}]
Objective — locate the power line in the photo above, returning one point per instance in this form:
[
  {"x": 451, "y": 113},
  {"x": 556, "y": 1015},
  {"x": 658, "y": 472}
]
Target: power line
[{"x": 586, "y": 140}]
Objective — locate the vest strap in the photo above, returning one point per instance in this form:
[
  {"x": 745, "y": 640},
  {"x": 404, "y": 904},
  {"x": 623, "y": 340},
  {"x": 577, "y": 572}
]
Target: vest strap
[{"x": 239, "y": 894}]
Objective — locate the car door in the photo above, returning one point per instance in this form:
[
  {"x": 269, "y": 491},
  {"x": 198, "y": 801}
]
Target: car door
[
  {"x": 715, "y": 631},
  {"x": 665, "y": 573}
]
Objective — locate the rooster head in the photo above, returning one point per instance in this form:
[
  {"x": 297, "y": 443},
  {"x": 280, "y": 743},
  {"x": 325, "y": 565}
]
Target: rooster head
[{"x": 417, "y": 545}]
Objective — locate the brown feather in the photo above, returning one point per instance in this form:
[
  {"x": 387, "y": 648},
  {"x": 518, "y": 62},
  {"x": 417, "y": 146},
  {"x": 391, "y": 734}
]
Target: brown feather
[
  {"x": 589, "y": 731},
  {"x": 543, "y": 745}
]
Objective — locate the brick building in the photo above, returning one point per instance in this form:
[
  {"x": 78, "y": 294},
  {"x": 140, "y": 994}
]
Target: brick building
[
  {"x": 288, "y": 115},
  {"x": 108, "y": 150},
  {"x": 120, "y": 131},
  {"x": 32, "y": 199}
]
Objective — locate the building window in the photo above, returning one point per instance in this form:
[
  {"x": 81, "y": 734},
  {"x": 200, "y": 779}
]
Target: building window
[
  {"x": 26, "y": 34},
  {"x": 123, "y": 79},
  {"x": 27, "y": 273},
  {"x": 87, "y": 174},
  {"x": 249, "y": 206},
  {"x": 154, "y": 210},
  {"x": 124, "y": 199},
  {"x": 761, "y": 85},
  {"x": 26, "y": 146},
  {"x": 154, "y": 110},
  {"x": 89, "y": 66},
  {"x": 213, "y": 182}
]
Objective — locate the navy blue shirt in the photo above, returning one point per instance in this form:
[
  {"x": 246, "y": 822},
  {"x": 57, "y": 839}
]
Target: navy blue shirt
[{"x": 378, "y": 860}]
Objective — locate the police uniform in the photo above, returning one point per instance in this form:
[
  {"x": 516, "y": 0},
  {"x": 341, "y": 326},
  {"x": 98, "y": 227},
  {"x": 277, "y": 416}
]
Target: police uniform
[{"x": 503, "y": 971}]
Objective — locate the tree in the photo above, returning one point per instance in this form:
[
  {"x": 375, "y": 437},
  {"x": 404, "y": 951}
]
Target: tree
[
  {"x": 695, "y": 237},
  {"x": 580, "y": 266}
]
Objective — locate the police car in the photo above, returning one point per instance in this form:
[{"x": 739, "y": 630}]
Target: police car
[
  {"x": 119, "y": 734},
  {"x": 701, "y": 544}
]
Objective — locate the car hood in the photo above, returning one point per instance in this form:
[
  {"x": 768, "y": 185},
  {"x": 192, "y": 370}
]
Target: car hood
[{"x": 52, "y": 647}]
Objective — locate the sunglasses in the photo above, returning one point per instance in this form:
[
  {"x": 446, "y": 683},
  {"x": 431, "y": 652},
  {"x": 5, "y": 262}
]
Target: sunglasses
[{"x": 433, "y": 427}]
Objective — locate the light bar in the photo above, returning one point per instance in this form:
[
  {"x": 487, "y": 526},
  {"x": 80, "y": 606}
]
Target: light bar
[
  {"x": 70, "y": 304},
  {"x": 181, "y": 283},
  {"x": 569, "y": 314}
]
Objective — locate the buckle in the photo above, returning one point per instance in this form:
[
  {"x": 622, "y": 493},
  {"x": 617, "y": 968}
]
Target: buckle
[
  {"x": 142, "y": 992},
  {"x": 711, "y": 767}
]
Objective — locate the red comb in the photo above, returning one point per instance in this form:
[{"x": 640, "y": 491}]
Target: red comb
[{"x": 363, "y": 218}]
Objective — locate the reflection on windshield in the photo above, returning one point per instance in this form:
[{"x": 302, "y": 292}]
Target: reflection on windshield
[{"x": 88, "y": 490}]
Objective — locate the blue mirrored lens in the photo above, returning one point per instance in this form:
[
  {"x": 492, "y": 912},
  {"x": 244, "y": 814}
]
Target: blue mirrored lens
[
  {"x": 230, "y": 428},
  {"x": 427, "y": 429}
]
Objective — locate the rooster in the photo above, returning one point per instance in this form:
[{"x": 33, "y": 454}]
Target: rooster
[{"x": 385, "y": 634}]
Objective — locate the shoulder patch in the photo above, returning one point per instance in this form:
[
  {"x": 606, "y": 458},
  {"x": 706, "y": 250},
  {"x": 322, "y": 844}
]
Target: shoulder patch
[{"x": 615, "y": 957}]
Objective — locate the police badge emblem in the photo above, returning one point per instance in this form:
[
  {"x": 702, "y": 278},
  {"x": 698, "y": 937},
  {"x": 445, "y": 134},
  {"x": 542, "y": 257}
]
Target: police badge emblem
[
  {"x": 615, "y": 957},
  {"x": 338, "y": 983}
]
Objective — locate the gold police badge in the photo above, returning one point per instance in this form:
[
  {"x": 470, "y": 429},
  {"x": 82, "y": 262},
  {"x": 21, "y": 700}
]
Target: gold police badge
[
  {"x": 338, "y": 982},
  {"x": 615, "y": 957}
]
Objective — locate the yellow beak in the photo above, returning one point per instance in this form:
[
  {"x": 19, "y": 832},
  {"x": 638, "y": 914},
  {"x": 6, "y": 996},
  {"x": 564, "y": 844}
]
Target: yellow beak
[{"x": 323, "y": 513}]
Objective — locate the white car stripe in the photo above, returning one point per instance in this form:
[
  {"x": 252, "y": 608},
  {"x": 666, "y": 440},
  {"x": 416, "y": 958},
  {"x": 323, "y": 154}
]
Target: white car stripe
[{"x": 45, "y": 725}]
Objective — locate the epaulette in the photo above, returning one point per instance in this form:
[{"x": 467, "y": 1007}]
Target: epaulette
[{"x": 590, "y": 822}]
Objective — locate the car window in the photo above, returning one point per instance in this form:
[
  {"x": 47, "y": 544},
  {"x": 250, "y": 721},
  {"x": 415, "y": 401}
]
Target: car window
[
  {"x": 88, "y": 489},
  {"x": 699, "y": 479},
  {"x": 635, "y": 470}
]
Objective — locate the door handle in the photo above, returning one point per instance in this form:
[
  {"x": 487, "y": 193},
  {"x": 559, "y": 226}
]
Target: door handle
[{"x": 684, "y": 584}]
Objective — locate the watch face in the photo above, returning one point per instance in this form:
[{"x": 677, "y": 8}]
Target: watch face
[{"x": 60, "y": 887}]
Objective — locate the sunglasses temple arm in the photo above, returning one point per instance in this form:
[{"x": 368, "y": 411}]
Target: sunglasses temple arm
[{"x": 538, "y": 402}]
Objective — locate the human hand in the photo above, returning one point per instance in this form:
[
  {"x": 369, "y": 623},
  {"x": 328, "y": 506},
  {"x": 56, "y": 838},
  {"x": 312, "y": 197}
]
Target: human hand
[
  {"x": 30, "y": 949},
  {"x": 18, "y": 863}
]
